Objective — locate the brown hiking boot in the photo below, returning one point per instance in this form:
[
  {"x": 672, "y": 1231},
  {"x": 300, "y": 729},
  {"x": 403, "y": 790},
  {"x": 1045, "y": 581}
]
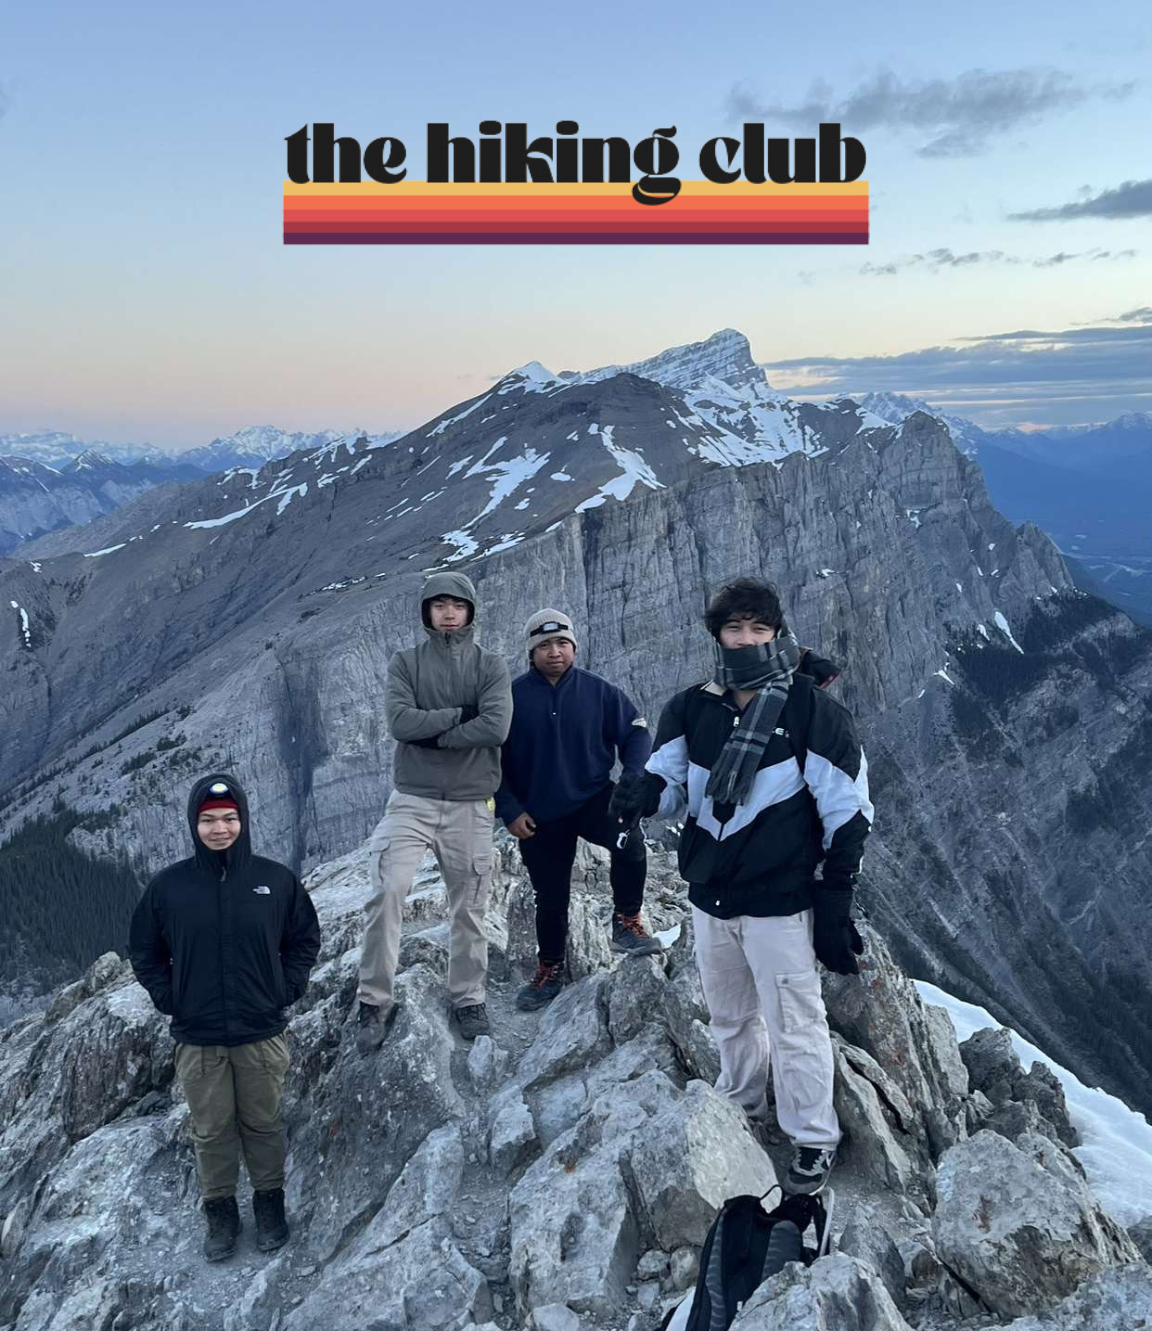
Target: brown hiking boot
[
  {"x": 542, "y": 988},
  {"x": 629, "y": 935}
]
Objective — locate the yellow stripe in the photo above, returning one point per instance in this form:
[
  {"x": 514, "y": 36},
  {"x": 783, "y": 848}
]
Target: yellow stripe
[{"x": 691, "y": 188}]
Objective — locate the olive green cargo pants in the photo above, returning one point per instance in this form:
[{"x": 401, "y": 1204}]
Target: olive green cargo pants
[{"x": 234, "y": 1094}]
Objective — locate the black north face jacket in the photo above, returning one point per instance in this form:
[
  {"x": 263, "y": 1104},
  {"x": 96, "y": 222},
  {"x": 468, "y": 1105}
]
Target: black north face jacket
[{"x": 223, "y": 942}]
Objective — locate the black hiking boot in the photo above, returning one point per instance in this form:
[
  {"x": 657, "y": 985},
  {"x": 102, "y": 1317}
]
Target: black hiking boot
[
  {"x": 629, "y": 935},
  {"x": 223, "y": 1225},
  {"x": 472, "y": 1020},
  {"x": 542, "y": 988},
  {"x": 808, "y": 1173},
  {"x": 373, "y": 1025},
  {"x": 271, "y": 1223}
]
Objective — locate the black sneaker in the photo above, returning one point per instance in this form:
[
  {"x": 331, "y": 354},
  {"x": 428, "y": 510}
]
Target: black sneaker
[
  {"x": 629, "y": 935},
  {"x": 472, "y": 1020},
  {"x": 271, "y": 1223},
  {"x": 542, "y": 988},
  {"x": 373, "y": 1025},
  {"x": 810, "y": 1168},
  {"x": 223, "y": 1226}
]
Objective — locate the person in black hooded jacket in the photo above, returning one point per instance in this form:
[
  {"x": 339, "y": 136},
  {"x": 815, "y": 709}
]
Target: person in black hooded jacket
[{"x": 224, "y": 941}]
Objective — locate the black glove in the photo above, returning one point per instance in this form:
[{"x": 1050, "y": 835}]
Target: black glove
[
  {"x": 469, "y": 712},
  {"x": 431, "y": 742},
  {"x": 637, "y": 795},
  {"x": 834, "y": 936}
]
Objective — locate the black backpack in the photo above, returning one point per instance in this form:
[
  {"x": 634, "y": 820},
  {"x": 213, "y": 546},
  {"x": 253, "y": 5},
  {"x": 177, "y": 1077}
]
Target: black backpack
[{"x": 744, "y": 1247}]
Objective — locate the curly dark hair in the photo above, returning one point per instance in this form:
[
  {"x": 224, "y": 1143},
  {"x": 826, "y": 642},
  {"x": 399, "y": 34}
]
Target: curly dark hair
[{"x": 744, "y": 598}]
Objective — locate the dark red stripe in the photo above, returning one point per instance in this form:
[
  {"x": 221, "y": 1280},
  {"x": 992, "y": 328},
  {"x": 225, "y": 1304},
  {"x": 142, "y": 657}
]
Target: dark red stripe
[{"x": 577, "y": 238}]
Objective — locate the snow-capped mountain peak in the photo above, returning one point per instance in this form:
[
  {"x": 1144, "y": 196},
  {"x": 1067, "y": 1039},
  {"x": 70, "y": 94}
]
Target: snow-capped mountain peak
[
  {"x": 90, "y": 460},
  {"x": 55, "y": 448},
  {"x": 725, "y": 356}
]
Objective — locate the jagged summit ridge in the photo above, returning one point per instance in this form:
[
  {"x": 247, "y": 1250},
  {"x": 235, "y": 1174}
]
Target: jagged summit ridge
[
  {"x": 725, "y": 355},
  {"x": 560, "y": 1174}
]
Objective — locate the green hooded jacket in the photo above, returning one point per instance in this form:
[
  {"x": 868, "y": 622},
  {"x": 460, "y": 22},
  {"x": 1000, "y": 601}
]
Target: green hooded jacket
[{"x": 428, "y": 686}]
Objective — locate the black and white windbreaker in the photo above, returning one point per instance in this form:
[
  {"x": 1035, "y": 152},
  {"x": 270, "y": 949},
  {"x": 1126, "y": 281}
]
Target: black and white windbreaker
[{"x": 809, "y": 802}]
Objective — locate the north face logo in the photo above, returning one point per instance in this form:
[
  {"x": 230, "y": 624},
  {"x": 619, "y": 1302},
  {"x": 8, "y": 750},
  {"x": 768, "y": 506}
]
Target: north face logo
[{"x": 263, "y": 891}]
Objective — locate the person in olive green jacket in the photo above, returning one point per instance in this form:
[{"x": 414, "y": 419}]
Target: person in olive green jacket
[{"x": 448, "y": 703}]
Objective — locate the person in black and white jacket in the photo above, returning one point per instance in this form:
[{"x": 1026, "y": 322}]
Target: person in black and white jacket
[{"x": 776, "y": 784}]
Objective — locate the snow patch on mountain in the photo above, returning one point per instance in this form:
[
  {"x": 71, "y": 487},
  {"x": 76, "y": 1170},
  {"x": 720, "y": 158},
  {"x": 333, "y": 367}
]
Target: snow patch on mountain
[
  {"x": 1002, "y": 624},
  {"x": 24, "y": 626},
  {"x": 634, "y": 470}
]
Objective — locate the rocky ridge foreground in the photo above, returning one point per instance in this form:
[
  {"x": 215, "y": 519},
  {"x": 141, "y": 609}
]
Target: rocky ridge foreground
[{"x": 560, "y": 1176}]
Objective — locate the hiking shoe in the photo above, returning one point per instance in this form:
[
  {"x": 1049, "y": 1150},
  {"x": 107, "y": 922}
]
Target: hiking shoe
[
  {"x": 271, "y": 1224},
  {"x": 542, "y": 988},
  {"x": 629, "y": 935},
  {"x": 223, "y": 1225},
  {"x": 809, "y": 1170},
  {"x": 373, "y": 1025},
  {"x": 472, "y": 1020}
]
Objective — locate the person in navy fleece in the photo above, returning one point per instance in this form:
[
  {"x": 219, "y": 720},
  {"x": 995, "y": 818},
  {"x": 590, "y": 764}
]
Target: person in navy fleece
[{"x": 568, "y": 728}]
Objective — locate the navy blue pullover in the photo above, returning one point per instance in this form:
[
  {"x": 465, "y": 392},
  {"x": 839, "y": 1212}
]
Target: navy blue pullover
[{"x": 564, "y": 742}]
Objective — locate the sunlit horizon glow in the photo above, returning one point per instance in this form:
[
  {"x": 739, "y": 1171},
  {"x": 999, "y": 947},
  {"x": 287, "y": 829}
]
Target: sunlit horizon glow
[{"x": 154, "y": 300}]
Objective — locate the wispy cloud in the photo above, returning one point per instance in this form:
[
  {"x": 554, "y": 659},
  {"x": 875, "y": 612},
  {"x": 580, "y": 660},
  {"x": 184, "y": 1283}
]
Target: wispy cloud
[
  {"x": 1131, "y": 199},
  {"x": 939, "y": 260},
  {"x": 999, "y": 378},
  {"x": 952, "y": 117}
]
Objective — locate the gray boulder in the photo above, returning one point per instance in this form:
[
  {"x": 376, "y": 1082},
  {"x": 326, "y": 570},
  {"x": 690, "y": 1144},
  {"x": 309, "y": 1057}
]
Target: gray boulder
[
  {"x": 869, "y": 1235},
  {"x": 574, "y": 1236},
  {"x": 1018, "y": 1225},
  {"x": 364, "y": 1117},
  {"x": 1141, "y": 1235},
  {"x": 876, "y": 1118},
  {"x": 512, "y": 1132},
  {"x": 880, "y": 1011},
  {"x": 689, "y": 1160},
  {"x": 1119, "y": 1299},
  {"x": 403, "y": 1270},
  {"x": 837, "y": 1293},
  {"x": 995, "y": 1070},
  {"x": 573, "y": 1033}
]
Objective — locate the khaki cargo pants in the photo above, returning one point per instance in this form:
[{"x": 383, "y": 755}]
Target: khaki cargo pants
[
  {"x": 234, "y": 1094},
  {"x": 459, "y": 834},
  {"x": 763, "y": 993}
]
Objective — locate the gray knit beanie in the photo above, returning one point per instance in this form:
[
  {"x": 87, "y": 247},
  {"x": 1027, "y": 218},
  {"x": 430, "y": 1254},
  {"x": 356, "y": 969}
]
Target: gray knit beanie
[{"x": 546, "y": 625}]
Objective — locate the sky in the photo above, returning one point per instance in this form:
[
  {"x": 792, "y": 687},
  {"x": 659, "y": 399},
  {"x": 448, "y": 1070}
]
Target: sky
[{"x": 146, "y": 294}]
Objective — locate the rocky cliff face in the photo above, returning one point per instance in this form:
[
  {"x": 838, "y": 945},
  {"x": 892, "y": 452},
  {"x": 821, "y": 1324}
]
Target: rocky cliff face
[
  {"x": 562, "y": 1174},
  {"x": 1006, "y": 718}
]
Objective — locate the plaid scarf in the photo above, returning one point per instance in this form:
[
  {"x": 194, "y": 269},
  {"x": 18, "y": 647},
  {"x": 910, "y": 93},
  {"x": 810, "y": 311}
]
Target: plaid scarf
[{"x": 768, "y": 669}]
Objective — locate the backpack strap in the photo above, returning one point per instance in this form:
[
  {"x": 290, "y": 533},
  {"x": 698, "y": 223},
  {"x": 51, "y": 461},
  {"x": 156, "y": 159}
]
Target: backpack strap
[{"x": 797, "y": 736}]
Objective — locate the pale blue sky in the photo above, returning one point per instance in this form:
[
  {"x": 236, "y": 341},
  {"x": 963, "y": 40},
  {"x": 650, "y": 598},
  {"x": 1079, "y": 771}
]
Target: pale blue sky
[{"x": 146, "y": 293}]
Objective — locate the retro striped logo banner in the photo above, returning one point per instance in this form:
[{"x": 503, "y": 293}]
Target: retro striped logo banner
[{"x": 417, "y": 213}]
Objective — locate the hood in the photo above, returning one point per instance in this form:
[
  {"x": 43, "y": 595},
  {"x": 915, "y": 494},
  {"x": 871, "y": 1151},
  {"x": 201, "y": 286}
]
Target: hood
[
  {"x": 240, "y": 852},
  {"x": 447, "y": 584}
]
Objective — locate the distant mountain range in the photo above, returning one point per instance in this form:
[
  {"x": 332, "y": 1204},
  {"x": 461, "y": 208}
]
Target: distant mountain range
[
  {"x": 1088, "y": 487},
  {"x": 50, "y": 482}
]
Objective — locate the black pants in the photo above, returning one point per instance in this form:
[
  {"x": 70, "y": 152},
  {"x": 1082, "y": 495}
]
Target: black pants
[{"x": 550, "y": 853}]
